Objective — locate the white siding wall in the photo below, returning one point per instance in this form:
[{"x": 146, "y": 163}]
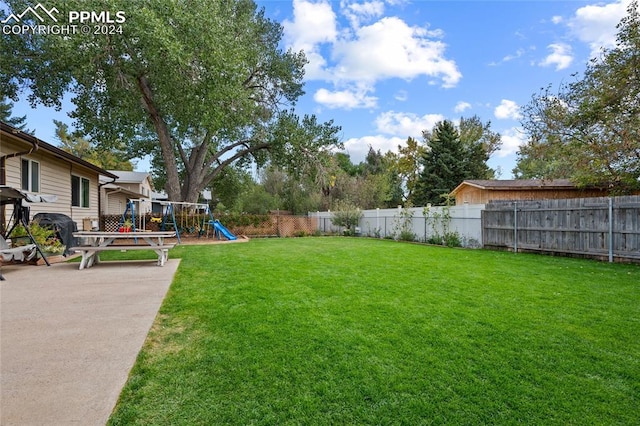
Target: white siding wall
[
  {"x": 144, "y": 188},
  {"x": 55, "y": 179},
  {"x": 115, "y": 203}
]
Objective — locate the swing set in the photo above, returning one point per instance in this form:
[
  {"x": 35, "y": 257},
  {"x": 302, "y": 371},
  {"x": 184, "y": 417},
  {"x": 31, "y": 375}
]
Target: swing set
[{"x": 192, "y": 222}]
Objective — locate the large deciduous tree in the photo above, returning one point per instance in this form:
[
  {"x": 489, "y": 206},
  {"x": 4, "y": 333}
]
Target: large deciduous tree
[
  {"x": 479, "y": 142},
  {"x": 407, "y": 166},
  {"x": 200, "y": 85},
  {"x": 590, "y": 130}
]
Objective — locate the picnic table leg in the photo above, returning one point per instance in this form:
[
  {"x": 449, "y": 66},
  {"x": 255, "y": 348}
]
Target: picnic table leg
[
  {"x": 83, "y": 261},
  {"x": 163, "y": 255},
  {"x": 89, "y": 258}
]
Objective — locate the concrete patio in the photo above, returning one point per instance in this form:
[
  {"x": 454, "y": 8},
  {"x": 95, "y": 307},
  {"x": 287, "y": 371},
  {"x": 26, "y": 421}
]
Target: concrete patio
[{"x": 69, "y": 338}]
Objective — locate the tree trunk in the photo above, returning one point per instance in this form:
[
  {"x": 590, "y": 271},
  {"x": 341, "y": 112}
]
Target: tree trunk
[{"x": 172, "y": 187}]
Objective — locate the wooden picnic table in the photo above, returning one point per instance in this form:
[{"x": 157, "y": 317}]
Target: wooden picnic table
[{"x": 98, "y": 241}]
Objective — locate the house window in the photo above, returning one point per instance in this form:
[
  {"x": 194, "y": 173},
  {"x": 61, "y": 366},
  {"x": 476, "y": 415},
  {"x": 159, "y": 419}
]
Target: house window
[
  {"x": 79, "y": 191},
  {"x": 30, "y": 175}
]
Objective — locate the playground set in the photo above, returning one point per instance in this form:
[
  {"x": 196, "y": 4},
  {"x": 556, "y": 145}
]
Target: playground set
[{"x": 193, "y": 218}]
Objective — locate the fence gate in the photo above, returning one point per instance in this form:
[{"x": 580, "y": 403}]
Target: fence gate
[{"x": 604, "y": 228}]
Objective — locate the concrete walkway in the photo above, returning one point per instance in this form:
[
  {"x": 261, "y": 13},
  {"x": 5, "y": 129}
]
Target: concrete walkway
[{"x": 69, "y": 338}]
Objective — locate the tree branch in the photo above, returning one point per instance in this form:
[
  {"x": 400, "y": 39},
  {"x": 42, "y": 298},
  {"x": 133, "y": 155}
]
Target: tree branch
[{"x": 236, "y": 156}]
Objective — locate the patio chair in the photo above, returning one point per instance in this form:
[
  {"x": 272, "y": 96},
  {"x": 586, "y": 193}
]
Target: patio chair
[{"x": 15, "y": 254}]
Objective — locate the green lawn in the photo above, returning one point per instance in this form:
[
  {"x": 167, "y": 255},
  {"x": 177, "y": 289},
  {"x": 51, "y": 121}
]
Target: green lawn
[{"x": 337, "y": 331}]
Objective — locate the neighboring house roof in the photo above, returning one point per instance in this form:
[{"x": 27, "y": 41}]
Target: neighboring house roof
[
  {"x": 54, "y": 150},
  {"x": 112, "y": 188},
  {"x": 517, "y": 184},
  {"x": 159, "y": 196},
  {"x": 130, "y": 177}
]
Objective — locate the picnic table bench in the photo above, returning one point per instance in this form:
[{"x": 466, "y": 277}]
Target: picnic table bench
[{"x": 99, "y": 241}]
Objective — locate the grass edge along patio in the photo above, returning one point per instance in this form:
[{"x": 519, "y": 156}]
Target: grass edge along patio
[{"x": 338, "y": 330}]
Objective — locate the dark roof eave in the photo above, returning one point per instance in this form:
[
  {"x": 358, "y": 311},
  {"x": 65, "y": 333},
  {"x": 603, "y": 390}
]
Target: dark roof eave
[{"x": 54, "y": 150}]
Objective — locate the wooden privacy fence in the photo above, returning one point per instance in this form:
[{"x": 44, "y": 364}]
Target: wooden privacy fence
[{"x": 604, "y": 228}]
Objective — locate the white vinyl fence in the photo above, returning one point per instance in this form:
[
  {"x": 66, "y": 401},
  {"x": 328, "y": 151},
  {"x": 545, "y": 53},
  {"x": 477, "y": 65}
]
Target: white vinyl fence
[{"x": 423, "y": 224}]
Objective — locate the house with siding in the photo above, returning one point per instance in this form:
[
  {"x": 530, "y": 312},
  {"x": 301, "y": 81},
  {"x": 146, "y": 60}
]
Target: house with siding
[
  {"x": 136, "y": 187},
  {"x": 37, "y": 167},
  {"x": 483, "y": 191}
]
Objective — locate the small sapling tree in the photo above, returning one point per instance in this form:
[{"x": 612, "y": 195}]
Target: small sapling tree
[{"x": 346, "y": 215}]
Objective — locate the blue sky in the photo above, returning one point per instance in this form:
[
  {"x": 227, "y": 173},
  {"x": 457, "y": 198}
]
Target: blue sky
[{"x": 385, "y": 70}]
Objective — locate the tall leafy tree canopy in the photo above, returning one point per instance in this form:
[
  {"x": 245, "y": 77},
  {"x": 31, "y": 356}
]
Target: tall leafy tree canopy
[
  {"x": 407, "y": 166},
  {"x": 200, "y": 85},
  {"x": 479, "y": 142},
  {"x": 590, "y": 130},
  {"x": 369, "y": 184}
]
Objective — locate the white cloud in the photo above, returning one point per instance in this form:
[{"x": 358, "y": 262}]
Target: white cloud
[
  {"x": 507, "y": 110},
  {"x": 394, "y": 128},
  {"x": 405, "y": 124},
  {"x": 401, "y": 95},
  {"x": 557, "y": 19},
  {"x": 596, "y": 24},
  {"x": 511, "y": 139},
  {"x": 560, "y": 56},
  {"x": 346, "y": 99},
  {"x": 356, "y": 13},
  {"x": 357, "y": 148},
  {"x": 362, "y": 53},
  {"x": 461, "y": 107},
  {"x": 316, "y": 67},
  {"x": 519, "y": 53},
  {"x": 516, "y": 55},
  {"x": 390, "y": 48},
  {"x": 312, "y": 25}
]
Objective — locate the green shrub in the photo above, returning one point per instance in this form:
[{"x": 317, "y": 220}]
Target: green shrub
[
  {"x": 452, "y": 239},
  {"x": 45, "y": 237},
  {"x": 346, "y": 215},
  {"x": 403, "y": 227},
  {"x": 406, "y": 235},
  {"x": 449, "y": 239}
]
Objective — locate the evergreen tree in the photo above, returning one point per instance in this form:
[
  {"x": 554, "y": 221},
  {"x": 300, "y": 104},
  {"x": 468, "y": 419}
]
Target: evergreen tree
[
  {"x": 81, "y": 147},
  {"x": 444, "y": 165},
  {"x": 17, "y": 122}
]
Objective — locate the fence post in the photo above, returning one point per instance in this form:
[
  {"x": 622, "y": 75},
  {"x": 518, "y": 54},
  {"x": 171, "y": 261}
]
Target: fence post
[
  {"x": 425, "y": 228},
  {"x": 515, "y": 227},
  {"x": 610, "y": 229}
]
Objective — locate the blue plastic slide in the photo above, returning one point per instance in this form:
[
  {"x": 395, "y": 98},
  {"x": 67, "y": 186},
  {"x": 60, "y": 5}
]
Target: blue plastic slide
[{"x": 218, "y": 229}]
